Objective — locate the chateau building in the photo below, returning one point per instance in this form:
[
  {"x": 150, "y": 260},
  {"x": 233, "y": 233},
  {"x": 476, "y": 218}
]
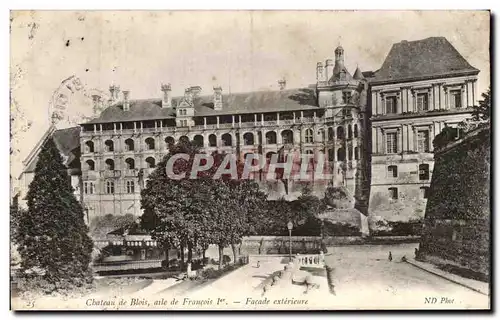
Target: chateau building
[{"x": 374, "y": 129}]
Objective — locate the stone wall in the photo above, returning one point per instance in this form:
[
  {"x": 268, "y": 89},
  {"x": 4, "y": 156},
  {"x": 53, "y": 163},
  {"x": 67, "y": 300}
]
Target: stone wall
[{"x": 457, "y": 219}]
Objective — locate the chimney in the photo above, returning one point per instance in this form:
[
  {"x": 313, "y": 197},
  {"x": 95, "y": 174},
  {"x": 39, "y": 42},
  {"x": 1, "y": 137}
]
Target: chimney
[
  {"x": 188, "y": 96},
  {"x": 217, "y": 98},
  {"x": 126, "y": 102},
  {"x": 195, "y": 91},
  {"x": 166, "y": 101},
  {"x": 282, "y": 84},
  {"x": 319, "y": 72},
  {"x": 329, "y": 69},
  {"x": 114, "y": 91},
  {"x": 339, "y": 58}
]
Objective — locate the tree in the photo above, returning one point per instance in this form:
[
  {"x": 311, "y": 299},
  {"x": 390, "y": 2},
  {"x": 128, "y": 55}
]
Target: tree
[
  {"x": 52, "y": 234},
  {"x": 482, "y": 112}
]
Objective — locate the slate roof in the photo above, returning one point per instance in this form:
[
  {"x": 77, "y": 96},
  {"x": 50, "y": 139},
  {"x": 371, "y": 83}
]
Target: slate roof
[
  {"x": 358, "y": 75},
  {"x": 429, "y": 57},
  {"x": 236, "y": 103},
  {"x": 68, "y": 143}
]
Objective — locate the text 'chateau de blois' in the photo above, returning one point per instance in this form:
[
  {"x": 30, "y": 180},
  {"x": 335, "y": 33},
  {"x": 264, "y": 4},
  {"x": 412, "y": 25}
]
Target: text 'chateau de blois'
[{"x": 374, "y": 128}]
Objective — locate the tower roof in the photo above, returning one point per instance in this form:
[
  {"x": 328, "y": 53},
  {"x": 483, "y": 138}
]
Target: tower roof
[{"x": 358, "y": 75}]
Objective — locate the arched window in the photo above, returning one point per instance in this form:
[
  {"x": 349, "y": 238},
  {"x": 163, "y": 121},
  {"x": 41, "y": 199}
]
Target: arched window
[
  {"x": 227, "y": 140},
  {"x": 89, "y": 147},
  {"x": 130, "y": 163},
  {"x": 151, "y": 162},
  {"x": 349, "y": 153},
  {"x": 184, "y": 139},
  {"x": 355, "y": 131},
  {"x": 287, "y": 136},
  {"x": 340, "y": 133},
  {"x": 309, "y": 136},
  {"x": 271, "y": 137},
  {"x": 212, "y": 140},
  {"x": 110, "y": 164},
  {"x": 349, "y": 132},
  {"x": 198, "y": 140},
  {"x": 341, "y": 154},
  {"x": 331, "y": 134},
  {"x": 150, "y": 143},
  {"x": 169, "y": 140},
  {"x": 90, "y": 165},
  {"x": 248, "y": 139},
  {"x": 110, "y": 187},
  {"x": 321, "y": 134},
  {"x": 110, "y": 146},
  {"x": 129, "y": 145},
  {"x": 331, "y": 154},
  {"x": 356, "y": 153},
  {"x": 423, "y": 171}
]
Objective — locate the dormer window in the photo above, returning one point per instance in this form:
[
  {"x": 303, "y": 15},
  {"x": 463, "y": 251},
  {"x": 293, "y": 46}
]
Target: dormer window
[
  {"x": 346, "y": 97},
  {"x": 456, "y": 99},
  {"x": 390, "y": 105},
  {"x": 422, "y": 102}
]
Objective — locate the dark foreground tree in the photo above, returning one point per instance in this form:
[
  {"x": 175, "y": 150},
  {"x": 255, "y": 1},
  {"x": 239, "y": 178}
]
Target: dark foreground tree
[
  {"x": 482, "y": 112},
  {"x": 52, "y": 236}
]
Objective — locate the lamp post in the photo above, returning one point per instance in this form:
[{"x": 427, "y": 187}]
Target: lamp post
[{"x": 290, "y": 227}]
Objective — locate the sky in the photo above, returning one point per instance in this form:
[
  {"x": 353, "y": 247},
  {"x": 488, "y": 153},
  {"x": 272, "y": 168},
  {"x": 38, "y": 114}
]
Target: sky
[{"x": 238, "y": 50}]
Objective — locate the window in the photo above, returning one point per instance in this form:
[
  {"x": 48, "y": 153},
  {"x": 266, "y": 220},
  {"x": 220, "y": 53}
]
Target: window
[
  {"x": 340, "y": 133},
  {"x": 151, "y": 162},
  {"x": 110, "y": 164},
  {"x": 89, "y": 147},
  {"x": 130, "y": 186},
  {"x": 183, "y": 123},
  {"x": 129, "y": 145},
  {"x": 331, "y": 134},
  {"x": 321, "y": 134},
  {"x": 90, "y": 165},
  {"x": 89, "y": 187},
  {"x": 287, "y": 136},
  {"x": 422, "y": 102},
  {"x": 392, "y": 142},
  {"x": 227, "y": 140},
  {"x": 424, "y": 192},
  {"x": 455, "y": 99},
  {"x": 346, "y": 97},
  {"x": 309, "y": 136},
  {"x": 331, "y": 155},
  {"x": 198, "y": 140},
  {"x": 110, "y": 187},
  {"x": 349, "y": 132},
  {"x": 390, "y": 105},
  {"x": 184, "y": 139},
  {"x": 423, "y": 171},
  {"x": 341, "y": 154},
  {"x": 169, "y": 140},
  {"x": 393, "y": 193},
  {"x": 271, "y": 137},
  {"x": 109, "y": 145},
  {"x": 248, "y": 139},
  {"x": 309, "y": 152},
  {"x": 182, "y": 112},
  {"x": 349, "y": 153},
  {"x": 423, "y": 141},
  {"x": 392, "y": 171},
  {"x": 356, "y": 153},
  {"x": 355, "y": 131},
  {"x": 130, "y": 163},
  {"x": 212, "y": 140},
  {"x": 150, "y": 143}
]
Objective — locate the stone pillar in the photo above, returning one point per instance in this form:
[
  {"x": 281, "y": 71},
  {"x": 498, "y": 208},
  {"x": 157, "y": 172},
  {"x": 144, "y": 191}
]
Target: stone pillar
[
  {"x": 278, "y": 118},
  {"x": 293, "y": 113},
  {"x": 262, "y": 119},
  {"x": 204, "y": 122},
  {"x": 431, "y": 98},
  {"x": 411, "y": 101},
  {"x": 255, "y": 119},
  {"x": 217, "y": 124},
  {"x": 446, "y": 102},
  {"x": 135, "y": 127},
  {"x": 441, "y": 96},
  {"x": 404, "y": 103},
  {"x": 374, "y": 139},
  {"x": 95, "y": 128}
]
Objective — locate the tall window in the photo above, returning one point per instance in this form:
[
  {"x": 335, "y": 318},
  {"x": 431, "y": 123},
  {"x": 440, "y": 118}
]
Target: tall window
[
  {"x": 110, "y": 187},
  {"x": 212, "y": 140},
  {"x": 130, "y": 163},
  {"x": 129, "y": 145},
  {"x": 109, "y": 145},
  {"x": 150, "y": 143},
  {"x": 424, "y": 192},
  {"x": 423, "y": 141},
  {"x": 349, "y": 152},
  {"x": 390, "y": 105},
  {"x": 423, "y": 171},
  {"x": 392, "y": 142},
  {"x": 393, "y": 193},
  {"x": 455, "y": 99},
  {"x": 110, "y": 164},
  {"x": 287, "y": 136},
  {"x": 90, "y": 165},
  {"x": 150, "y": 162},
  {"x": 130, "y": 186},
  {"x": 346, "y": 97},
  {"x": 356, "y": 153},
  {"x": 89, "y": 147},
  {"x": 392, "y": 171},
  {"x": 349, "y": 132},
  {"x": 227, "y": 140},
  {"x": 422, "y": 102},
  {"x": 248, "y": 139},
  {"x": 331, "y": 134},
  {"x": 309, "y": 136},
  {"x": 355, "y": 131},
  {"x": 183, "y": 123},
  {"x": 89, "y": 187}
]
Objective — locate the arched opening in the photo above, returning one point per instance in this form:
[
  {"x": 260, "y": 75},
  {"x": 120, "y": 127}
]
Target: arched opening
[
  {"x": 271, "y": 137},
  {"x": 349, "y": 132},
  {"x": 198, "y": 140},
  {"x": 341, "y": 154},
  {"x": 355, "y": 131},
  {"x": 110, "y": 164},
  {"x": 248, "y": 139},
  {"x": 331, "y": 134},
  {"x": 169, "y": 140},
  {"x": 89, "y": 147},
  {"x": 184, "y": 139},
  {"x": 309, "y": 136},
  {"x": 340, "y": 132},
  {"x": 109, "y": 145},
  {"x": 129, "y": 145},
  {"x": 331, "y": 155},
  {"x": 150, "y": 143},
  {"x": 287, "y": 136},
  {"x": 90, "y": 165},
  {"x": 212, "y": 140},
  {"x": 356, "y": 153},
  {"x": 349, "y": 154},
  {"x": 130, "y": 163},
  {"x": 150, "y": 162},
  {"x": 321, "y": 135},
  {"x": 227, "y": 140}
]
